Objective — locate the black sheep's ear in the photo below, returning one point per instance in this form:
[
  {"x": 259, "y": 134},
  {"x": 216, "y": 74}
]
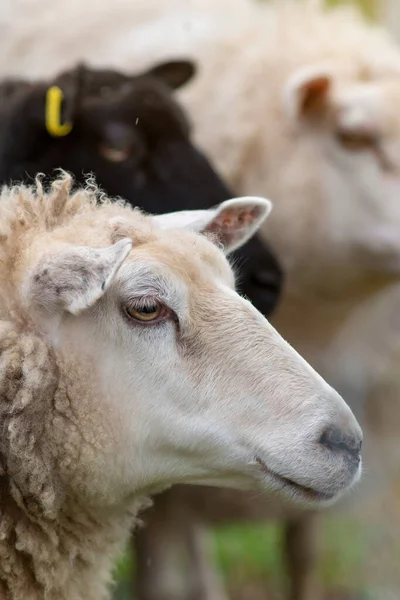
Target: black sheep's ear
[{"x": 174, "y": 73}]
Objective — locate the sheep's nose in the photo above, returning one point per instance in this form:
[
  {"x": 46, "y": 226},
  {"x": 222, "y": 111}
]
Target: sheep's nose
[{"x": 336, "y": 440}]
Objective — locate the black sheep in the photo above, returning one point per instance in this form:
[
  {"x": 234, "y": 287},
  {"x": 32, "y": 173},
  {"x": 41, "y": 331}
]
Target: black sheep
[{"x": 133, "y": 136}]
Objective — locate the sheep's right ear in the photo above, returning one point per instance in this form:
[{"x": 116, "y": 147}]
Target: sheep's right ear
[
  {"x": 306, "y": 92},
  {"x": 74, "y": 278},
  {"x": 231, "y": 223}
]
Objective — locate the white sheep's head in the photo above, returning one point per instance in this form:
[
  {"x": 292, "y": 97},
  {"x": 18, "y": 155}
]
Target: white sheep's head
[
  {"x": 341, "y": 167},
  {"x": 168, "y": 375}
]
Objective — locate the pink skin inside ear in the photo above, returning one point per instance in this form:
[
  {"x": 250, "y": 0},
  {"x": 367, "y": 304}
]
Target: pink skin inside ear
[
  {"x": 314, "y": 93},
  {"x": 232, "y": 219},
  {"x": 229, "y": 225}
]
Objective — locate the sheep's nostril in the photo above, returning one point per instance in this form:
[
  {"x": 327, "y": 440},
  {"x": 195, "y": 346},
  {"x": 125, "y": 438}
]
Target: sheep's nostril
[{"x": 335, "y": 439}]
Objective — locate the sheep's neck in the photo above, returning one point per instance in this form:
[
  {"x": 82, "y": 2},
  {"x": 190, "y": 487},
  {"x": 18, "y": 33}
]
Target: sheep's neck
[
  {"x": 71, "y": 556},
  {"x": 59, "y": 536}
]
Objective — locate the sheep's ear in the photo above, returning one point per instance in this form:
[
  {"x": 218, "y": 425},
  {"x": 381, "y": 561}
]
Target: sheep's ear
[
  {"x": 232, "y": 223},
  {"x": 74, "y": 278},
  {"x": 306, "y": 92},
  {"x": 174, "y": 73}
]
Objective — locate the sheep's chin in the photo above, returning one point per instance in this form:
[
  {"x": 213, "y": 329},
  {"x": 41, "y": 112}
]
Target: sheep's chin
[{"x": 294, "y": 490}]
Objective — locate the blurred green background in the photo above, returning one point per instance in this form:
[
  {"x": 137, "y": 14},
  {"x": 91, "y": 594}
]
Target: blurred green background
[{"x": 249, "y": 557}]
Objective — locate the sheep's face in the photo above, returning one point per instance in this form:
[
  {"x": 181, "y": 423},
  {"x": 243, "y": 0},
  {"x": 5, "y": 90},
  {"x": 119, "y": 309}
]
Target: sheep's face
[
  {"x": 190, "y": 382},
  {"x": 346, "y": 166}
]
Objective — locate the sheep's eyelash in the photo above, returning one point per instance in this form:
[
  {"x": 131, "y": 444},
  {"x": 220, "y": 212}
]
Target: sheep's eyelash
[{"x": 144, "y": 301}]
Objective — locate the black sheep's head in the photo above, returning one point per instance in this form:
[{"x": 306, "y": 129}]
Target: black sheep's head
[{"x": 132, "y": 134}]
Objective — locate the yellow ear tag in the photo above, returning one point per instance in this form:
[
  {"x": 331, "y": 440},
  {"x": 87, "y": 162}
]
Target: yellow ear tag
[{"x": 54, "y": 98}]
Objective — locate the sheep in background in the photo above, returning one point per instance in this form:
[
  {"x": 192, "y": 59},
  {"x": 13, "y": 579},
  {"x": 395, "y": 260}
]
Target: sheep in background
[
  {"x": 122, "y": 372},
  {"x": 300, "y": 104}
]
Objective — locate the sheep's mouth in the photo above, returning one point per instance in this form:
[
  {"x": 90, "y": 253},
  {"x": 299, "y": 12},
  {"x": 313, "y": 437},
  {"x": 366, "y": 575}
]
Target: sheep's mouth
[{"x": 289, "y": 485}]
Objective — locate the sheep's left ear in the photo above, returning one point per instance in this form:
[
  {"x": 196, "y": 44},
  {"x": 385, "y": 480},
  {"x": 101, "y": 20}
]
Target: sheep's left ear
[
  {"x": 174, "y": 73},
  {"x": 232, "y": 223},
  {"x": 75, "y": 277}
]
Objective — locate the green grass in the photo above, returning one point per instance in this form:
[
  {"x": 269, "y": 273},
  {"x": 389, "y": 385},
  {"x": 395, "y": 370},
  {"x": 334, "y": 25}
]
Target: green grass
[{"x": 255, "y": 553}]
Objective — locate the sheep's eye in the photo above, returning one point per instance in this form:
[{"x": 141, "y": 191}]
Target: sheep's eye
[
  {"x": 146, "y": 313},
  {"x": 114, "y": 154},
  {"x": 356, "y": 141}
]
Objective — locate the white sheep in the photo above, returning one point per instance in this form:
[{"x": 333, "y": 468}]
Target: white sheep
[
  {"x": 128, "y": 363},
  {"x": 298, "y": 104}
]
